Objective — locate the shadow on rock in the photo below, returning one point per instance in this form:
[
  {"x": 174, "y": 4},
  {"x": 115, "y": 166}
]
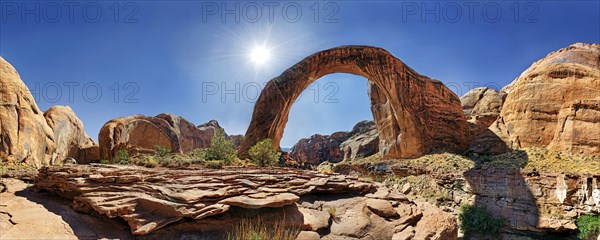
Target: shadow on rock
[{"x": 83, "y": 226}]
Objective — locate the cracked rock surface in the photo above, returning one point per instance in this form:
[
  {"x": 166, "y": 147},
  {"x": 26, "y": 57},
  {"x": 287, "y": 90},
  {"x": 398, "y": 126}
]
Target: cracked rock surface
[{"x": 205, "y": 203}]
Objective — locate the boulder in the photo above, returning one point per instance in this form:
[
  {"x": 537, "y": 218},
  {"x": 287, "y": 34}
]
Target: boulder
[
  {"x": 414, "y": 114},
  {"x": 383, "y": 208},
  {"x": 308, "y": 235},
  {"x": 24, "y": 134},
  {"x": 542, "y": 105},
  {"x": 69, "y": 136}
]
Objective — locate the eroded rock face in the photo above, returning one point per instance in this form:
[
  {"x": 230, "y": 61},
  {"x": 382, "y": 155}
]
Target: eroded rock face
[
  {"x": 362, "y": 141},
  {"x": 483, "y": 100},
  {"x": 578, "y": 127},
  {"x": 212, "y": 201},
  {"x": 69, "y": 136},
  {"x": 413, "y": 113},
  {"x": 541, "y": 99},
  {"x": 319, "y": 148},
  {"x": 209, "y": 129},
  {"x": 141, "y": 134},
  {"x": 24, "y": 134}
]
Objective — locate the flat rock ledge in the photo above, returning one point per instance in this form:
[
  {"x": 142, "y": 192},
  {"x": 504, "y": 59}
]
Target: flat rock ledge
[
  {"x": 206, "y": 202},
  {"x": 149, "y": 199}
]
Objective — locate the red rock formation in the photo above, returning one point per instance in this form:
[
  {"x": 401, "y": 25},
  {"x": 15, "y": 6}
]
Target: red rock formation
[
  {"x": 483, "y": 100},
  {"x": 32, "y": 136},
  {"x": 69, "y": 136},
  {"x": 414, "y": 114},
  {"x": 319, "y": 148},
  {"x": 24, "y": 134},
  {"x": 362, "y": 141},
  {"x": 533, "y": 112},
  {"x": 209, "y": 129},
  {"x": 143, "y": 134}
]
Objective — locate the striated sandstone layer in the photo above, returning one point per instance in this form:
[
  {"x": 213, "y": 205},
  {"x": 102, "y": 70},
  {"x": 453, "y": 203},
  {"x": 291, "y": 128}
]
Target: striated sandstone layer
[
  {"x": 413, "y": 113},
  {"x": 542, "y": 104},
  {"x": 169, "y": 203}
]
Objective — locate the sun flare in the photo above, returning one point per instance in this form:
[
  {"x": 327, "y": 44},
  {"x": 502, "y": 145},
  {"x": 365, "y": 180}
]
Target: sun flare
[{"x": 260, "y": 55}]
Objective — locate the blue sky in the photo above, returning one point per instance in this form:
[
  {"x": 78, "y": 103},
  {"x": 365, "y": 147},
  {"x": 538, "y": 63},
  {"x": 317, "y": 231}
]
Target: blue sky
[{"x": 171, "y": 56}]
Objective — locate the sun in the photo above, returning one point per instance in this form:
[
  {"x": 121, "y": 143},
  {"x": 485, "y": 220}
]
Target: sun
[{"x": 260, "y": 55}]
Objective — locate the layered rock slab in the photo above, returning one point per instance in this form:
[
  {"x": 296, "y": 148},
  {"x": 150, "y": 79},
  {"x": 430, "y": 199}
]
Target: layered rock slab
[
  {"x": 414, "y": 114},
  {"x": 149, "y": 199},
  {"x": 205, "y": 203}
]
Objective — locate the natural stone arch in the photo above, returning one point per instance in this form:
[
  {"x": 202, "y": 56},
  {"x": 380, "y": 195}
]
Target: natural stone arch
[{"x": 414, "y": 114}]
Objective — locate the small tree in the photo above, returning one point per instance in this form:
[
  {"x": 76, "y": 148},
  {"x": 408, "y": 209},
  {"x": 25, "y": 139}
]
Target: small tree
[
  {"x": 220, "y": 148},
  {"x": 263, "y": 153}
]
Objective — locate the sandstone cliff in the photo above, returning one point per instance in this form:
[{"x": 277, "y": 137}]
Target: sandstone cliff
[
  {"x": 142, "y": 134},
  {"x": 362, "y": 141},
  {"x": 36, "y": 138},
  {"x": 24, "y": 134},
  {"x": 553, "y": 104},
  {"x": 69, "y": 136}
]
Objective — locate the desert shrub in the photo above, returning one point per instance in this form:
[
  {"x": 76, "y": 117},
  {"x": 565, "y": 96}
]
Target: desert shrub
[
  {"x": 212, "y": 164},
  {"x": 174, "y": 162},
  {"x": 257, "y": 229},
  {"x": 151, "y": 163},
  {"x": 122, "y": 157},
  {"x": 478, "y": 220},
  {"x": 588, "y": 226},
  {"x": 220, "y": 148},
  {"x": 332, "y": 211},
  {"x": 197, "y": 155},
  {"x": 104, "y": 161},
  {"x": 162, "y": 151},
  {"x": 263, "y": 153}
]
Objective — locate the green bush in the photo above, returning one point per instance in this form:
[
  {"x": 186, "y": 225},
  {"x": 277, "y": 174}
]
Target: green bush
[
  {"x": 478, "y": 220},
  {"x": 162, "y": 151},
  {"x": 104, "y": 161},
  {"x": 588, "y": 226},
  {"x": 122, "y": 157},
  {"x": 263, "y": 153},
  {"x": 220, "y": 148}
]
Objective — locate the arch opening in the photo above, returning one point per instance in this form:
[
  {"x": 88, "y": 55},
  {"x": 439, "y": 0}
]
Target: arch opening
[{"x": 414, "y": 114}]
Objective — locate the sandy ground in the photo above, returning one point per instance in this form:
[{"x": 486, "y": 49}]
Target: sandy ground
[{"x": 25, "y": 214}]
